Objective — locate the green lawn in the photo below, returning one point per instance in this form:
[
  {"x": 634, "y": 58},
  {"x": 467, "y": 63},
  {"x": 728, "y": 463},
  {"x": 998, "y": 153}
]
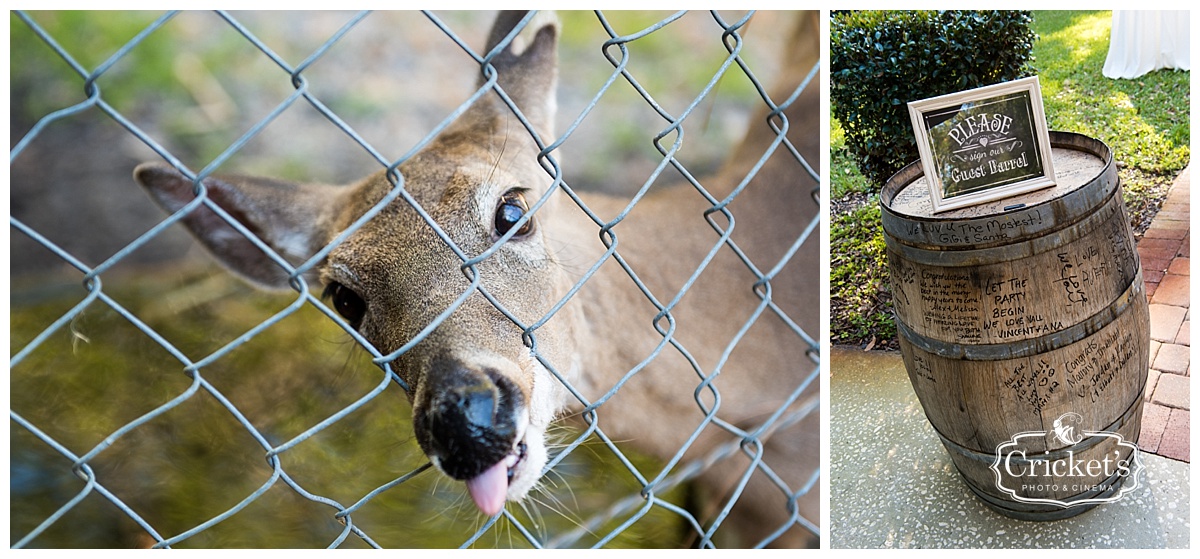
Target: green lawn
[{"x": 1145, "y": 122}]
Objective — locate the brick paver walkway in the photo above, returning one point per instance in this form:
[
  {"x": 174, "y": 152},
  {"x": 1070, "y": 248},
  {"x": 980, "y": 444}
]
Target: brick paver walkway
[{"x": 1164, "y": 252}]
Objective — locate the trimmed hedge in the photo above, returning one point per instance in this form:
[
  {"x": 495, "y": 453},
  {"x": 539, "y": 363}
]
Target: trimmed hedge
[{"x": 881, "y": 60}]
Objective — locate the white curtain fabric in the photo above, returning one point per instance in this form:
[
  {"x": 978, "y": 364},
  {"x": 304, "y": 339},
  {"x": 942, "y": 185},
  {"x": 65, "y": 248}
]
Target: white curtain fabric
[{"x": 1144, "y": 41}]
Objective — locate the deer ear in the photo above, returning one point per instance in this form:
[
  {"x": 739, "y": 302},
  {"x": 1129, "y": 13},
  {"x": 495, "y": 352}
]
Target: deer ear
[
  {"x": 528, "y": 73},
  {"x": 284, "y": 215}
]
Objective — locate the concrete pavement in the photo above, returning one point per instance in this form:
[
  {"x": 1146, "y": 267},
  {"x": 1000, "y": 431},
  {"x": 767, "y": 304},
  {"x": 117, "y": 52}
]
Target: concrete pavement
[{"x": 893, "y": 485}]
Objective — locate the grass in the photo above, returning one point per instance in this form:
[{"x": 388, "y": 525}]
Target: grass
[{"x": 1144, "y": 120}]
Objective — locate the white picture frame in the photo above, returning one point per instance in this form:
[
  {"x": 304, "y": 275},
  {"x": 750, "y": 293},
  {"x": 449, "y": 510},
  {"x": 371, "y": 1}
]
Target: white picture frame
[{"x": 983, "y": 144}]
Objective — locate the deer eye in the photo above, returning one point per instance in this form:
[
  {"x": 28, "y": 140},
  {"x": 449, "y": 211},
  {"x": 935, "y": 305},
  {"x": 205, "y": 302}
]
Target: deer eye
[
  {"x": 347, "y": 303},
  {"x": 511, "y": 209}
]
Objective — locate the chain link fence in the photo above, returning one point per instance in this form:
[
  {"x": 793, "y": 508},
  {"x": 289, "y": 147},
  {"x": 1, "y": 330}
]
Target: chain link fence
[{"x": 145, "y": 398}]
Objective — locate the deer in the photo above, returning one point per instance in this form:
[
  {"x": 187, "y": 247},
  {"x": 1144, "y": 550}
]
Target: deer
[{"x": 546, "y": 323}]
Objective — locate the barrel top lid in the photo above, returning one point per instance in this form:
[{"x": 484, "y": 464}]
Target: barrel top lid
[{"x": 1072, "y": 169}]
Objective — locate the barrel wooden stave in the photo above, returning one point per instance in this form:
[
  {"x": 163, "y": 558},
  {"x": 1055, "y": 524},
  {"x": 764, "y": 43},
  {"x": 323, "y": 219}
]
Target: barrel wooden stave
[{"x": 1003, "y": 333}]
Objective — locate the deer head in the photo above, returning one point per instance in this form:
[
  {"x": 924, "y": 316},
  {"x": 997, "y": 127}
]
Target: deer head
[{"x": 482, "y": 398}]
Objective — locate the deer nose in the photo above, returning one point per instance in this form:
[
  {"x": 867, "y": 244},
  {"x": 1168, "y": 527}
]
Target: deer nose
[{"x": 469, "y": 422}]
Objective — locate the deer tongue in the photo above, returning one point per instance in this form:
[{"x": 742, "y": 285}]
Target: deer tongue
[{"x": 489, "y": 488}]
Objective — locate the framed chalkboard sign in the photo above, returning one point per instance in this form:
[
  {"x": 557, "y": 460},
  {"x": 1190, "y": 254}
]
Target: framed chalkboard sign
[{"x": 983, "y": 144}]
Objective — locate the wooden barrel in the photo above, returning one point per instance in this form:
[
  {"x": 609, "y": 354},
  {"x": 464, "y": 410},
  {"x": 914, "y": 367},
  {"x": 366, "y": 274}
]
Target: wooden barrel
[{"x": 1026, "y": 320}]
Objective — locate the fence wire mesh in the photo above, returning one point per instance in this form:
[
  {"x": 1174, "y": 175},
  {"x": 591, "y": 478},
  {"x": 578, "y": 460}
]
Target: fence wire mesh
[{"x": 143, "y": 406}]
